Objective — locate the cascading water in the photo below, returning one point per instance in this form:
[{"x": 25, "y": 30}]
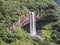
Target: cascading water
[{"x": 32, "y": 24}]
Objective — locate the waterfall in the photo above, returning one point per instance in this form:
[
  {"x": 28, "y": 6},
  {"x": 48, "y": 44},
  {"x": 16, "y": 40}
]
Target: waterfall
[{"x": 32, "y": 24}]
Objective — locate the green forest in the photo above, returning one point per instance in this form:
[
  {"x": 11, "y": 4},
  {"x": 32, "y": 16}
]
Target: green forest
[{"x": 11, "y": 10}]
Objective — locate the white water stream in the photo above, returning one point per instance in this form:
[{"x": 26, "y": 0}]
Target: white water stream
[{"x": 32, "y": 24}]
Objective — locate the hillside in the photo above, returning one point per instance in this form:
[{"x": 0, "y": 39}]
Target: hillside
[
  {"x": 19, "y": 37},
  {"x": 11, "y": 11}
]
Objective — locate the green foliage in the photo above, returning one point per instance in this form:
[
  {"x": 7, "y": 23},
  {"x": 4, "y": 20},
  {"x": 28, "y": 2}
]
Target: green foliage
[
  {"x": 47, "y": 34},
  {"x": 11, "y": 10},
  {"x": 18, "y": 37},
  {"x": 56, "y": 26},
  {"x": 55, "y": 37},
  {"x": 52, "y": 32}
]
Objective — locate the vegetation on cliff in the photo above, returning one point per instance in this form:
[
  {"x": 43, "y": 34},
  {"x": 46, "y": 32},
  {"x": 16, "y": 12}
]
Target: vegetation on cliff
[{"x": 11, "y": 10}]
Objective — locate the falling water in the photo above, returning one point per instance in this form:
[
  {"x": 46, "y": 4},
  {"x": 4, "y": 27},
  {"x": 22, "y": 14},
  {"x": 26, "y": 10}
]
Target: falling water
[{"x": 32, "y": 24}]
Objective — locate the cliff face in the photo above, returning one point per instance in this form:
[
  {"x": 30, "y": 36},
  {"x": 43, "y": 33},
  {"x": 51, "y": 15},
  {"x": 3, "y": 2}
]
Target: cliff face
[{"x": 24, "y": 20}]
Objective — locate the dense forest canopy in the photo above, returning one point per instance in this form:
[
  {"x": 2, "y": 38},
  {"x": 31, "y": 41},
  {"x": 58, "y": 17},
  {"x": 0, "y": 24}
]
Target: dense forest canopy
[{"x": 11, "y": 10}]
